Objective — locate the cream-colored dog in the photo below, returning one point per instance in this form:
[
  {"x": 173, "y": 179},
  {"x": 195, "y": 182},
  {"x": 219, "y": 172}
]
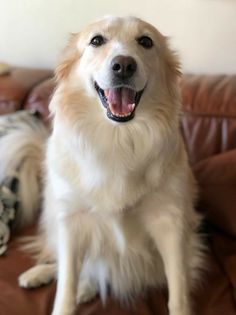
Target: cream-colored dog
[{"x": 118, "y": 198}]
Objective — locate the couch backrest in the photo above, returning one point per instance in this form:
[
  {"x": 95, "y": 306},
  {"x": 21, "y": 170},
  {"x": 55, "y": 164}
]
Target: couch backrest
[{"x": 209, "y": 120}]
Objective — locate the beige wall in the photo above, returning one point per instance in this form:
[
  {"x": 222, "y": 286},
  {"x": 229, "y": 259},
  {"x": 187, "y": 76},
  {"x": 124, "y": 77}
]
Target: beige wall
[{"x": 32, "y": 32}]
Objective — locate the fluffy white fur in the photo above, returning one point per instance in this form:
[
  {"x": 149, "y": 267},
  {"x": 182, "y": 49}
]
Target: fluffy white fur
[{"x": 118, "y": 208}]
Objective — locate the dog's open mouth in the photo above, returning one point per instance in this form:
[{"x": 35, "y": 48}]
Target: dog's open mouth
[{"x": 120, "y": 102}]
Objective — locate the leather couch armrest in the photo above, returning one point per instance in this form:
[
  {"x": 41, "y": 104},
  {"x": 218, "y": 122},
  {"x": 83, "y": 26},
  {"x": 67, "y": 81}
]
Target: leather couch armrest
[
  {"x": 39, "y": 98},
  {"x": 15, "y": 86}
]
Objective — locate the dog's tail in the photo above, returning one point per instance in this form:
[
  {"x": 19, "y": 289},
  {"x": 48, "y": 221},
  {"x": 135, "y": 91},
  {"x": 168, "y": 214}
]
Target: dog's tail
[{"x": 22, "y": 140}]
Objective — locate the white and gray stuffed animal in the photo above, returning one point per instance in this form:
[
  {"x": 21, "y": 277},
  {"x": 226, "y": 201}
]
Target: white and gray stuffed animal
[
  {"x": 20, "y": 170},
  {"x": 8, "y": 209}
]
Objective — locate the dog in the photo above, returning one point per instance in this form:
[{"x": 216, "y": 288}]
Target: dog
[{"x": 118, "y": 209}]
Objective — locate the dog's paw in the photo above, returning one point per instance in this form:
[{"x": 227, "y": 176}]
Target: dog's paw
[
  {"x": 37, "y": 276},
  {"x": 86, "y": 292}
]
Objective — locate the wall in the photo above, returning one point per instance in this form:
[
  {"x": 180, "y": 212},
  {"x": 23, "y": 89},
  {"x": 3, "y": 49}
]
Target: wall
[{"x": 32, "y": 32}]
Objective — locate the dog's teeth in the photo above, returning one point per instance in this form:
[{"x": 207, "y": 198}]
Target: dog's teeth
[{"x": 118, "y": 114}]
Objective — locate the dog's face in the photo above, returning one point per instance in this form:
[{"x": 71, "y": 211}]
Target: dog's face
[{"x": 119, "y": 62}]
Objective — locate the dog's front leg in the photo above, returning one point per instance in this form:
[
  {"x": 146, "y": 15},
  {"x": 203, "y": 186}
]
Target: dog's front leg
[
  {"x": 167, "y": 230},
  {"x": 68, "y": 269}
]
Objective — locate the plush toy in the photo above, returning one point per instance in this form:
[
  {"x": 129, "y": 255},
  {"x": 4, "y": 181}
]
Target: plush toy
[
  {"x": 8, "y": 209},
  {"x": 20, "y": 170}
]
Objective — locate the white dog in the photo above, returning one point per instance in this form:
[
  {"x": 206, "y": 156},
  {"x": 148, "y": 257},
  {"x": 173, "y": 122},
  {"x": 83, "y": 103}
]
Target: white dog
[{"x": 118, "y": 197}]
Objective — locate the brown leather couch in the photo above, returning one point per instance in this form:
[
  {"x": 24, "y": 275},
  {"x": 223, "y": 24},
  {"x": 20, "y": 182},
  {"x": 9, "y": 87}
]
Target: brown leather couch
[{"x": 209, "y": 130}]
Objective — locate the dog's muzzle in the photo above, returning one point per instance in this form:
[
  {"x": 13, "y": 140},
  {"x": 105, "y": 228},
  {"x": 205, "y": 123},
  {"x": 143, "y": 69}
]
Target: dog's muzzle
[{"x": 120, "y": 100}]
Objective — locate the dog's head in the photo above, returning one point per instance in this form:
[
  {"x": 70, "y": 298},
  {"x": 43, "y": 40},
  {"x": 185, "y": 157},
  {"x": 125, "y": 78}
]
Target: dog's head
[{"x": 118, "y": 62}]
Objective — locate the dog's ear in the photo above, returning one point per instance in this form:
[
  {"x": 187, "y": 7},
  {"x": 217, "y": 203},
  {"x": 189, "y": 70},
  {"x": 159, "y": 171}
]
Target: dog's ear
[{"x": 69, "y": 56}]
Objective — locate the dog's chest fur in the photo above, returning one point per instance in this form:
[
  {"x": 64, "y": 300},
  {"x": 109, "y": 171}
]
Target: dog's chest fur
[
  {"x": 105, "y": 179},
  {"x": 111, "y": 180},
  {"x": 107, "y": 195},
  {"x": 120, "y": 254}
]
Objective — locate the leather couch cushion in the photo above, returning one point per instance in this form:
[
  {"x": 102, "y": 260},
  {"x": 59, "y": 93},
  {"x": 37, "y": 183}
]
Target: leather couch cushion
[
  {"x": 216, "y": 177},
  {"x": 215, "y": 295}
]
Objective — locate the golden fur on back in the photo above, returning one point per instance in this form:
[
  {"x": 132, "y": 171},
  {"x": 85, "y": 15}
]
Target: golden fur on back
[{"x": 119, "y": 197}]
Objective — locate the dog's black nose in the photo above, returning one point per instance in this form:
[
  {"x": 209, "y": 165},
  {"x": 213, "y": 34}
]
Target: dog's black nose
[{"x": 123, "y": 66}]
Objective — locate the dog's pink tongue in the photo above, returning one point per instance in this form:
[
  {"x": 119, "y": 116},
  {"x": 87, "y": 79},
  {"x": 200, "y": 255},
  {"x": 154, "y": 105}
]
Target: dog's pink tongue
[{"x": 121, "y": 100}]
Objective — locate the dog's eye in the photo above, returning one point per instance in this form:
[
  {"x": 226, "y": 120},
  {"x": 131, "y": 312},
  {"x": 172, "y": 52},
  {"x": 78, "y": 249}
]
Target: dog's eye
[
  {"x": 97, "y": 41},
  {"x": 145, "y": 41}
]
